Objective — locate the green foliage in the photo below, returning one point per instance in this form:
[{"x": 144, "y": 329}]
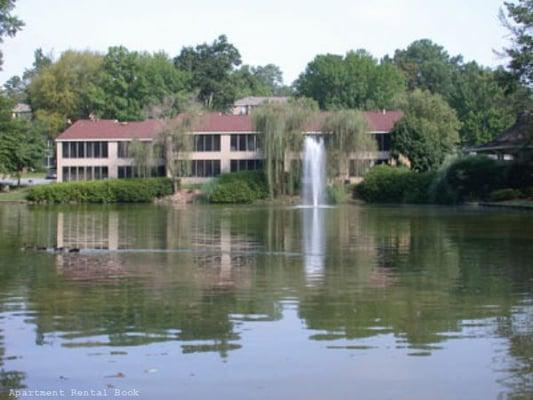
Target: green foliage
[
  {"x": 106, "y": 191},
  {"x": 348, "y": 134},
  {"x": 521, "y": 51},
  {"x": 9, "y": 23},
  {"x": 386, "y": 184},
  {"x": 21, "y": 146},
  {"x": 427, "y": 133},
  {"x": 210, "y": 67},
  {"x": 356, "y": 81},
  {"x": 505, "y": 194},
  {"x": 281, "y": 127},
  {"x": 258, "y": 81},
  {"x": 427, "y": 66},
  {"x": 239, "y": 187},
  {"x": 481, "y": 103},
  {"x": 69, "y": 87},
  {"x": 337, "y": 194},
  {"x": 133, "y": 81},
  {"x": 472, "y": 178}
]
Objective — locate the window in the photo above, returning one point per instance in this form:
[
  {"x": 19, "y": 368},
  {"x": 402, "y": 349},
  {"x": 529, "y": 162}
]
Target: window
[
  {"x": 359, "y": 167},
  {"x": 123, "y": 150},
  {"x": 383, "y": 140},
  {"x": 206, "y": 142},
  {"x": 205, "y": 168},
  {"x": 244, "y": 142},
  {"x": 129, "y": 171},
  {"x": 245, "y": 165},
  {"x": 84, "y": 173},
  {"x": 84, "y": 149}
]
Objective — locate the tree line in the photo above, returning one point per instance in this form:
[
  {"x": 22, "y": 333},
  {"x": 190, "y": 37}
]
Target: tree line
[{"x": 446, "y": 101}]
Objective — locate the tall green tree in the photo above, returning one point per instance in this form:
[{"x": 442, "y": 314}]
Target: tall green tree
[
  {"x": 264, "y": 80},
  {"x": 21, "y": 146},
  {"x": 131, "y": 82},
  {"x": 69, "y": 87},
  {"x": 427, "y": 66},
  {"x": 428, "y": 131},
  {"x": 481, "y": 104},
  {"x": 9, "y": 23},
  {"x": 211, "y": 67},
  {"x": 521, "y": 29},
  {"x": 356, "y": 81}
]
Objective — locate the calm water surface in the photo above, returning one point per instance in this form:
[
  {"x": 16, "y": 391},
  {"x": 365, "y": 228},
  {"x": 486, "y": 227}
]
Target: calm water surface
[{"x": 263, "y": 303}]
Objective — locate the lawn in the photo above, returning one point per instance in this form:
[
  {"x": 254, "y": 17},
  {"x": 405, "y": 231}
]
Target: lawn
[{"x": 15, "y": 195}]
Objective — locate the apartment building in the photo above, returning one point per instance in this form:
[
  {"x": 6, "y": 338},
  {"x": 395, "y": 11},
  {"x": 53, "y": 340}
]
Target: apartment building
[{"x": 99, "y": 149}]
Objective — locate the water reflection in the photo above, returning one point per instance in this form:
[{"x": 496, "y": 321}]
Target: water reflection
[
  {"x": 314, "y": 243},
  {"x": 385, "y": 284}
]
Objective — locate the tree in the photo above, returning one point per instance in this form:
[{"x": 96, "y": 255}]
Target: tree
[
  {"x": 69, "y": 87},
  {"x": 131, "y": 82},
  {"x": 9, "y": 23},
  {"x": 428, "y": 131},
  {"x": 281, "y": 128},
  {"x": 210, "y": 67},
  {"x": 175, "y": 142},
  {"x": 356, "y": 81},
  {"x": 40, "y": 62},
  {"x": 21, "y": 146},
  {"x": 348, "y": 136},
  {"x": 427, "y": 66},
  {"x": 258, "y": 81},
  {"x": 481, "y": 104},
  {"x": 14, "y": 89},
  {"x": 521, "y": 29}
]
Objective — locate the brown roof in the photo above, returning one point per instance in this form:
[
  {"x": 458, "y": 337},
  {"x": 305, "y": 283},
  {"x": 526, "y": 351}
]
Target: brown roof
[{"x": 102, "y": 129}]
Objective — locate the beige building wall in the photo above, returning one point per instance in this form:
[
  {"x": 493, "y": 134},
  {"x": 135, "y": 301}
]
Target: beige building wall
[{"x": 225, "y": 155}]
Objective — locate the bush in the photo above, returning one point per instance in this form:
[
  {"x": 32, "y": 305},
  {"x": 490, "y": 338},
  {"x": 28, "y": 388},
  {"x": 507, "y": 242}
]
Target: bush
[
  {"x": 105, "y": 191},
  {"x": 473, "y": 178},
  {"x": 337, "y": 194},
  {"x": 528, "y": 192},
  {"x": 385, "y": 184},
  {"x": 505, "y": 194},
  {"x": 238, "y": 187}
]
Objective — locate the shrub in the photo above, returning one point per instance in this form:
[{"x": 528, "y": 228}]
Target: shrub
[
  {"x": 505, "y": 194},
  {"x": 528, "y": 192},
  {"x": 337, "y": 194},
  {"x": 472, "y": 178},
  {"x": 105, "y": 191},
  {"x": 238, "y": 187},
  {"x": 385, "y": 184},
  {"x": 232, "y": 192}
]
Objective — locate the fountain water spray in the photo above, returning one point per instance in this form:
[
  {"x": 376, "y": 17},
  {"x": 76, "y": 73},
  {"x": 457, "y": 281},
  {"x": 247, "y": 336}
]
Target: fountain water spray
[{"x": 314, "y": 176}]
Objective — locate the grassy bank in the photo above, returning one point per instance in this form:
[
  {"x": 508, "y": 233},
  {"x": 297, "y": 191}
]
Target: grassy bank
[{"x": 14, "y": 196}]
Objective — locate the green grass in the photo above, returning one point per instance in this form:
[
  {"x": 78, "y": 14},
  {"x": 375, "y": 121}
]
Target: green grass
[{"x": 15, "y": 195}]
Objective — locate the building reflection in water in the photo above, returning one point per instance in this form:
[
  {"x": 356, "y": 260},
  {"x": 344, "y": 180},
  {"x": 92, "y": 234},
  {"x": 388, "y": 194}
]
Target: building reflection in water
[{"x": 314, "y": 243}]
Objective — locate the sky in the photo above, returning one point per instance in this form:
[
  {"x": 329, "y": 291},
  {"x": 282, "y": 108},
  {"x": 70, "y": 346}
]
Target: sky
[{"x": 288, "y": 33}]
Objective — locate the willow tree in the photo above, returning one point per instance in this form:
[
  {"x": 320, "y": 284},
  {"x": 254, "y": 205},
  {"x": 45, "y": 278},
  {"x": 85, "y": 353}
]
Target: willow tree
[
  {"x": 281, "y": 128},
  {"x": 176, "y": 142},
  {"x": 143, "y": 157},
  {"x": 348, "y": 137}
]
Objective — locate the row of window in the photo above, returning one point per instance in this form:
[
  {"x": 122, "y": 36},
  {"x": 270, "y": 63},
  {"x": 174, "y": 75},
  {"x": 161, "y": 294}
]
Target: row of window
[
  {"x": 85, "y": 149},
  {"x": 244, "y": 142},
  {"x": 129, "y": 171},
  {"x": 245, "y": 165},
  {"x": 84, "y": 173},
  {"x": 206, "y": 142}
]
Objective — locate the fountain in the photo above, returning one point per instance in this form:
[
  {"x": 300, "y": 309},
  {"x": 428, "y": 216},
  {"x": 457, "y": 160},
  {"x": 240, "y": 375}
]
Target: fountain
[{"x": 314, "y": 174}]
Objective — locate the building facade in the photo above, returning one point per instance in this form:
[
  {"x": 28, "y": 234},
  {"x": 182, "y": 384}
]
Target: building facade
[{"x": 100, "y": 149}]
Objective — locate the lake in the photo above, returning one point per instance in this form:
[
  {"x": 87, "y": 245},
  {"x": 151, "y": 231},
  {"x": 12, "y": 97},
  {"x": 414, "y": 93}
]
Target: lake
[{"x": 203, "y": 302}]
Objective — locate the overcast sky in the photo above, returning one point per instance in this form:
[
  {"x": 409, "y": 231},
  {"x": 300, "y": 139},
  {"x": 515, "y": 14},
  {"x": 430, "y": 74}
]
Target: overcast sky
[{"x": 288, "y": 33}]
